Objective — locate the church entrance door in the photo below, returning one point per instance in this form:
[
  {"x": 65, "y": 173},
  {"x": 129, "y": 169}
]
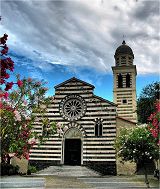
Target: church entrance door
[{"x": 72, "y": 152}]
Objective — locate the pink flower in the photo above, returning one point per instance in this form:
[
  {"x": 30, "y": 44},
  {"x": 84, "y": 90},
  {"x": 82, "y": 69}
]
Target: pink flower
[
  {"x": 8, "y": 86},
  {"x": 157, "y": 106},
  {"x": 19, "y": 83},
  {"x": 5, "y": 95},
  {"x": 25, "y": 102},
  {"x": 155, "y": 122},
  {"x": 11, "y": 154},
  {"x": 32, "y": 141},
  {"x": 2, "y": 81},
  {"x": 17, "y": 115},
  {"x": 45, "y": 88},
  {"x": 38, "y": 83},
  {"x": 7, "y": 76},
  {"x": 26, "y": 155},
  {"x": 154, "y": 133},
  {"x": 151, "y": 116},
  {"x": 1, "y": 105}
]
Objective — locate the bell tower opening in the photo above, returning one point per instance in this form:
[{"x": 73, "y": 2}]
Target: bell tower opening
[
  {"x": 120, "y": 81},
  {"x": 128, "y": 82}
]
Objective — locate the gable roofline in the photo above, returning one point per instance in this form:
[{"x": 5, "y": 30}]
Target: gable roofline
[
  {"x": 74, "y": 79},
  {"x": 100, "y": 98},
  {"x": 124, "y": 119}
]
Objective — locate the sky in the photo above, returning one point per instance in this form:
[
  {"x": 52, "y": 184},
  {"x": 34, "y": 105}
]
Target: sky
[{"x": 56, "y": 40}]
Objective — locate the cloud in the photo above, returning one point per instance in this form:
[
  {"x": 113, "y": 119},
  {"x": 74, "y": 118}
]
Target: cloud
[
  {"x": 147, "y": 9},
  {"x": 82, "y": 33}
]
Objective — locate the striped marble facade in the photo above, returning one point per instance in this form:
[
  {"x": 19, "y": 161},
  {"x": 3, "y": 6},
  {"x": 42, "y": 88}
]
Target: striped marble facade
[{"x": 97, "y": 149}]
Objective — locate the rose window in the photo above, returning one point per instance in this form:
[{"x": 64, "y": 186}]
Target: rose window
[{"x": 72, "y": 107}]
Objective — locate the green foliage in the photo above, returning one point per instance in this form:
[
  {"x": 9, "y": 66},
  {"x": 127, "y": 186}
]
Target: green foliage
[
  {"x": 18, "y": 112},
  {"x": 151, "y": 91},
  {"x": 136, "y": 145},
  {"x": 32, "y": 169},
  {"x": 145, "y": 103}
]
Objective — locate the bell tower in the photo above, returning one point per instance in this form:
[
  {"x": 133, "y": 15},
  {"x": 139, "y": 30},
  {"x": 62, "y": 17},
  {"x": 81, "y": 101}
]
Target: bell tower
[{"x": 124, "y": 91}]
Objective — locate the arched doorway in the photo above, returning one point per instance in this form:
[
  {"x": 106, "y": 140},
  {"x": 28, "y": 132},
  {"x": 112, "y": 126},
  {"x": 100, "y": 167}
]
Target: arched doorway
[{"x": 72, "y": 147}]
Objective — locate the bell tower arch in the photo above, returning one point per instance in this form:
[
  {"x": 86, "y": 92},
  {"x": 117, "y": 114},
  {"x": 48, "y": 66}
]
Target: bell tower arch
[{"x": 124, "y": 90}]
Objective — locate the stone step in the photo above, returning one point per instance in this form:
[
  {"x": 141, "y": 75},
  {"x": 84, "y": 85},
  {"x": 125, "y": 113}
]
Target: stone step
[{"x": 73, "y": 171}]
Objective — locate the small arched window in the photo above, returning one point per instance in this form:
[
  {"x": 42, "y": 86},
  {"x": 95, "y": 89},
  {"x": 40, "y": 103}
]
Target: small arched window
[
  {"x": 120, "y": 81},
  {"x": 128, "y": 78},
  {"x": 98, "y": 127}
]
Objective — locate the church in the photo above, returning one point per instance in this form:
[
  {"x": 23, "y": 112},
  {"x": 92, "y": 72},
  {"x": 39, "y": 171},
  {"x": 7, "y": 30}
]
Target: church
[{"x": 88, "y": 123}]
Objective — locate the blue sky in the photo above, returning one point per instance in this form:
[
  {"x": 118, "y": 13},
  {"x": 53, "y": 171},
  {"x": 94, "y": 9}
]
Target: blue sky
[{"x": 56, "y": 40}]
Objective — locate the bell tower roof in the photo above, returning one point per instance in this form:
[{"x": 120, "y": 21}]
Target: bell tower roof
[{"x": 124, "y": 49}]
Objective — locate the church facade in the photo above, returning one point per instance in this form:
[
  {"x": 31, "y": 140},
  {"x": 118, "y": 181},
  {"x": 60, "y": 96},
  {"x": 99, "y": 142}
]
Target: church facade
[
  {"x": 88, "y": 127},
  {"x": 87, "y": 123}
]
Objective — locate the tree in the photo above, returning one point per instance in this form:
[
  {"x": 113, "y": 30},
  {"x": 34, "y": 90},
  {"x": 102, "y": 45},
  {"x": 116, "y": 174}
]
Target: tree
[
  {"x": 137, "y": 145},
  {"x": 145, "y": 103},
  {"x": 17, "y": 117},
  {"x": 18, "y": 107}
]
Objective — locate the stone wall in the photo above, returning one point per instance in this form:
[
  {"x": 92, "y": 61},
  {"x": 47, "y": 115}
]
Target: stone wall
[
  {"x": 22, "y": 164},
  {"x": 124, "y": 167}
]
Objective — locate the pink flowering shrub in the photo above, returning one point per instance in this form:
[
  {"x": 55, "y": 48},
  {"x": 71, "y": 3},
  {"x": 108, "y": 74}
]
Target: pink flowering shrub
[
  {"x": 154, "y": 119},
  {"x": 18, "y": 103},
  {"x": 6, "y": 65},
  {"x": 17, "y": 117}
]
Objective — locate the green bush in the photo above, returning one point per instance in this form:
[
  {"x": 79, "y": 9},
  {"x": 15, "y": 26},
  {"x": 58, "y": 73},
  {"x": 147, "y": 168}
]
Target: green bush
[{"x": 31, "y": 169}]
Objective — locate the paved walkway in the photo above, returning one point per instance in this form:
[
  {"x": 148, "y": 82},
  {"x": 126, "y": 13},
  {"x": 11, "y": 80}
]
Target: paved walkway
[
  {"x": 114, "y": 182},
  {"x": 18, "y": 182},
  {"x": 81, "y": 177},
  {"x": 73, "y": 177}
]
